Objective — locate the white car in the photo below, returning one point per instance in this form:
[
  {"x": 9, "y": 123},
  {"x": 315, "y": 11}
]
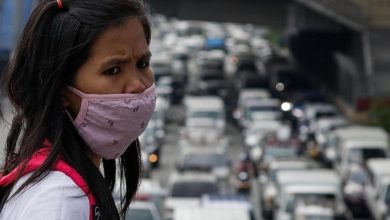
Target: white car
[
  {"x": 268, "y": 182},
  {"x": 265, "y": 109},
  {"x": 185, "y": 189},
  {"x": 378, "y": 191},
  {"x": 249, "y": 95},
  {"x": 205, "y": 107},
  {"x": 310, "y": 186},
  {"x": 358, "y": 151},
  {"x": 324, "y": 125},
  {"x": 211, "y": 212},
  {"x": 209, "y": 161},
  {"x": 335, "y": 139},
  {"x": 142, "y": 210},
  {"x": 308, "y": 212},
  {"x": 253, "y": 134}
]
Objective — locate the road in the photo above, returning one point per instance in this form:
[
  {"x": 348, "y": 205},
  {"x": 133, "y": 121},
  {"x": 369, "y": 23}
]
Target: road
[{"x": 170, "y": 152}]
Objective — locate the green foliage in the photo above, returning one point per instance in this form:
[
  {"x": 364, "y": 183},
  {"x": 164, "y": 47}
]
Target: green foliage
[{"x": 380, "y": 115}]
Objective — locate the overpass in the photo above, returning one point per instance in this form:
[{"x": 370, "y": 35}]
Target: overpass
[
  {"x": 342, "y": 43},
  {"x": 351, "y": 38}
]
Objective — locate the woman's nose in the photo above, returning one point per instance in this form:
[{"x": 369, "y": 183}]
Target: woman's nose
[{"x": 135, "y": 85}]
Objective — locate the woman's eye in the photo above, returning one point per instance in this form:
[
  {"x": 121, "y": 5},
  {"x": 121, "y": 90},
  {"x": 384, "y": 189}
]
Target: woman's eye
[
  {"x": 143, "y": 65},
  {"x": 112, "y": 71}
]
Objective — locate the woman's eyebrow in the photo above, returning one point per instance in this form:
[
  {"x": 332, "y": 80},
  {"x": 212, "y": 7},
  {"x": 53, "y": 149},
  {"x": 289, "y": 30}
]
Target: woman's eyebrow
[
  {"x": 146, "y": 55},
  {"x": 123, "y": 59},
  {"x": 114, "y": 60}
]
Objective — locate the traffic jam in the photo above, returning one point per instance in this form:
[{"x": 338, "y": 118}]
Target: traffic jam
[{"x": 239, "y": 133}]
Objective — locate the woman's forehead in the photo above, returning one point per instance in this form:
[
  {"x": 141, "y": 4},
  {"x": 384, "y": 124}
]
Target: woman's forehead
[{"x": 126, "y": 39}]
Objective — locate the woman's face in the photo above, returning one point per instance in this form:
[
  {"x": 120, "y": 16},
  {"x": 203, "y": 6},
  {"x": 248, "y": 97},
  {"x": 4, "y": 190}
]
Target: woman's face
[{"x": 118, "y": 63}]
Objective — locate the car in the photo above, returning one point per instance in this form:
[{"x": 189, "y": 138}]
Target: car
[
  {"x": 206, "y": 107},
  {"x": 358, "y": 151},
  {"x": 209, "y": 161},
  {"x": 310, "y": 211},
  {"x": 206, "y": 66},
  {"x": 312, "y": 113},
  {"x": 258, "y": 129},
  {"x": 378, "y": 189},
  {"x": 229, "y": 201},
  {"x": 161, "y": 65},
  {"x": 275, "y": 145},
  {"x": 247, "y": 95},
  {"x": 354, "y": 184},
  {"x": 216, "y": 213},
  {"x": 268, "y": 180},
  {"x": 334, "y": 146},
  {"x": 185, "y": 190},
  {"x": 152, "y": 191},
  {"x": 142, "y": 211},
  {"x": 265, "y": 109},
  {"x": 164, "y": 87},
  {"x": 323, "y": 126},
  {"x": 315, "y": 186}
]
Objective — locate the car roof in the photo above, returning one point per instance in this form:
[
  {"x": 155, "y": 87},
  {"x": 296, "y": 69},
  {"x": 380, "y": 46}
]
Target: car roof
[
  {"x": 263, "y": 102},
  {"x": 298, "y": 163},
  {"x": 136, "y": 204},
  {"x": 192, "y": 177},
  {"x": 320, "y": 107},
  {"x": 311, "y": 188},
  {"x": 150, "y": 186},
  {"x": 314, "y": 210},
  {"x": 215, "y": 213},
  {"x": 247, "y": 93},
  {"x": 322, "y": 176},
  {"x": 361, "y": 132},
  {"x": 366, "y": 144},
  {"x": 204, "y": 102},
  {"x": 268, "y": 124}
]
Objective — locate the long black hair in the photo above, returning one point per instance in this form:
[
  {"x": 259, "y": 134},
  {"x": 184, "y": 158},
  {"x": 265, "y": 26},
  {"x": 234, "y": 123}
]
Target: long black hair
[{"x": 54, "y": 44}]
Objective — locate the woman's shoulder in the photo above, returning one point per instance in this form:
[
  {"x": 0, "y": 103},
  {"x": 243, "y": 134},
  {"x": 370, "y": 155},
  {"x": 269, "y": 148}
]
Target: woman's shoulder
[{"x": 54, "y": 197}]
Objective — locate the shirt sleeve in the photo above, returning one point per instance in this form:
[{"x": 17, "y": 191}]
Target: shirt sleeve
[{"x": 55, "y": 197}]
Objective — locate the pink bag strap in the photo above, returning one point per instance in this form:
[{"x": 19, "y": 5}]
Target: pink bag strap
[{"x": 38, "y": 159}]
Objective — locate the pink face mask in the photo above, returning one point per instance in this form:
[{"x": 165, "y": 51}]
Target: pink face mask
[{"x": 110, "y": 123}]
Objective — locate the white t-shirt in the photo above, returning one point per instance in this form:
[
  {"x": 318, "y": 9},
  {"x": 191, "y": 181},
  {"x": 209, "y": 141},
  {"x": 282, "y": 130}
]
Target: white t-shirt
[{"x": 56, "y": 197}]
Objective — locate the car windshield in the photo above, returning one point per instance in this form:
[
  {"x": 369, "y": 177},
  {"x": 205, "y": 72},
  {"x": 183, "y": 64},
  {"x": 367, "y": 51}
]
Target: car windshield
[
  {"x": 318, "y": 217},
  {"x": 320, "y": 199},
  {"x": 205, "y": 161},
  {"x": 325, "y": 114},
  {"x": 212, "y": 65},
  {"x": 263, "y": 108},
  {"x": 279, "y": 152},
  {"x": 206, "y": 114},
  {"x": 193, "y": 189},
  {"x": 139, "y": 214},
  {"x": 251, "y": 112},
  {"x": 247, "y": 65},
  {"x": 212, "y": 76},
  {"x": 361, "y": 155}
]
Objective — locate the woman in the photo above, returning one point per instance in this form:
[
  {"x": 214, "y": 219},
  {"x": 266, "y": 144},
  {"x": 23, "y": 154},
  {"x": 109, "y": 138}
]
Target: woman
[{"x": 83, "y": 92}]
